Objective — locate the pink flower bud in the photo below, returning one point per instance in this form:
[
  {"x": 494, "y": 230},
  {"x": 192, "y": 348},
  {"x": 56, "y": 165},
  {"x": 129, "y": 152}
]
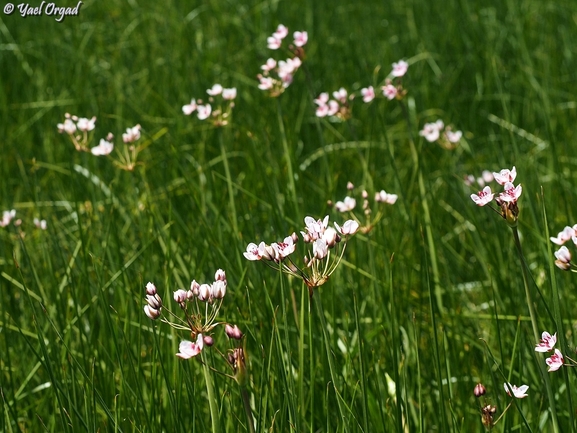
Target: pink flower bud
[
  {"x": 218, "y": 289},
  {"x": 220, "y": 275},
  {"x": 233, "y": 332},
  {"x": 479, "y": 390},
  {"x": 194, "y": 287},
  {"x": 208, "y": 340},
  {"x": 204, "y": 292},
  {"x": 180, "y": 296},
  {"x": 150, "y": 289},
  {"x": 152, "y": 313}
]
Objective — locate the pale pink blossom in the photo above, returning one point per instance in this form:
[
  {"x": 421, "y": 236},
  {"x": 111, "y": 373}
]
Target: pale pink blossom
[
  {"x": 511, "y": 193},
  {"x": 7, "y": 217},
  {"x": 179, "y": 296},
  {"x": 68, "y": 126},
  {"x": 453, "y": 136},
  {"x": 333, "y": 108},
  {"x": 103, "y": 148},
  {"x": 285, "y": 248},
  {"x": 432, "y": 131},
  {"x": 281, "y": 32},
  {"x": 565, "y": 235},
  {"x": 188, "y": 349},
  {"x": 233, "y": 331},
  {"x": 563, "y": 256},
  {"x": 215, "y": 90},
  {"x": 220, "y": 275},
  {"x": 320, "y": 249},
  {"x": 483, "y": 197},
  {"x": 368, "y": 94},
  {"x": 190, "y": 108},
  {"x": 322, "y": 99},
  {"x": 487, "y": 176},
  {"x": 41, "y": 224},
  {"x": 555, "y": 362},
  {"x": 85, "y": 124},
  {"x": 269, "y": 65},
  {"x": 150, "y": 289},
  {"x": 322, "y": 111},
  {"x": 273, "y": 43},
  {"x": 341, "y": 95},
  {"x": 389, "y": 91},
  {"x": 229, "y": 94},
  {"x": 400, "y": 68},
  {"x": 266, "y": 83},
  {"x": 505, "y": 176},
  {"x": 204, "y": 292},
  {"x": 132, "y": 134},
  {"x": 518, "y": 392},
  {"x": 218, "y": 289},
  {"x": 383, "y": 197},
  {"x": 203, "y": 111},
  {"x": 346, "y": 205},
  {"x": 331, "y": 237},
  {"x": 315, "y": 228},
  {"x": 300, "y": 38},
  {"x": 547, "y": 342},
  {"x": 350, "y": 227},
  {"x": 252, "y": 251}
]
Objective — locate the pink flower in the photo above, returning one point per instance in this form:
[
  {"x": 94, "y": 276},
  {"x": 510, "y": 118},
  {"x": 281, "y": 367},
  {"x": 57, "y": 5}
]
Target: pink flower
[
  {"x": 383, "y": 197},
  {"x": 190, "y": 108},
  {"x": 215, "y": 90},
  {"x": 511, "y": 193},
  {"x": 103, "y": 148},
  {"x": 203, "y": 111},
  {"x": 322, "y": 111},
  {"x": 555, "y": 362},
  {"x": 7, "y": 216},
  {"x": 350, "y": 227},
  {"x": 269, "y": 65},
  {"x": 505, "y": 176},
  {"x": 389, "y": 91},
  {"x": 132, "y": 134},
  {"x": 563, "y": 256},
  {"x": 565, "y": 235},
  {"x": 285, "y": 248},
  {"x": 432, "y": 131},
  {"x": 547, "y": 342},
  {"x": 273, "y": 43},
  {"x": 368, "y": 94},
  {"x": 341, "y": 95},
  {"x": 41, "y": 224},
  {"x": 179, "y": 296},
  {"x": 150, "y": 289},
  {"x": 229, "y": 94},
  {"x": 266, "y": 83},
  {"x": 520, "y": 392},
  {"x": 315, "y": 228},
  {"x": 320, "y": 249},
  {"x": 188, "y": 349},
  {"x": 346, "y": 205},
  {"x": 281, "y": 32},
  {"x": 253, "y": 252},
  {"x": 483, "y": 197},
  {"x": 453, "y": 137},
  {"x": 85, "y": 124},
  {"x": 301, "y": 38},
  {"x": 400, "y": 68},
  {"x": 68, "y": 126},
  {"x": 218, "y": 289}
]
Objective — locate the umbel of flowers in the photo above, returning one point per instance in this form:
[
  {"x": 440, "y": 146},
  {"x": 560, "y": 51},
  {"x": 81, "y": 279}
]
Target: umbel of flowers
[
  {"x": 392, "y": 88},
  {"x": 200, "y": 306},
  {"x": 488, "y": 410},
  {"x": 443, "y": 135},
  {"x": 507, "y": 200},
  {"x": 326, "y": 249},
  {"x": 222, "y": 99},
  {"x": 348, "y": 204},
  {"x": 277, "y": 75}
]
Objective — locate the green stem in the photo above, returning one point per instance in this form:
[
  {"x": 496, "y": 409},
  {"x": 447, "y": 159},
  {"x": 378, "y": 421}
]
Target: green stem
[
  {"x": 291, "y": 180},
  {"x": 535, "y": 326},
  {"x": 247, "y": 409},
  {"x": 233, "y": 216},
  {"x": 212, "y": 401}
]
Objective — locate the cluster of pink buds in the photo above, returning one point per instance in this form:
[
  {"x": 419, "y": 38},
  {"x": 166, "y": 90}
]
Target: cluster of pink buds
[
  {"x": 392, "y": 88},
  {"x": 348, "y": 204},
  {"x": 201, "y": 305},
  {"x": 563, "y": 255},
  {"x": 77, "y": 129},
  {"x": 276, "y": 75},
  {"x": 507, "y": 200},
  {"x": 338, "y": 107},
  {"x": 488, "y": 410},
  {"x": 219, "y": 97},
  {"x": 449, "y": 139},
  {"x": 547, "y": 344},
  {"x": 327, "y": 248}
]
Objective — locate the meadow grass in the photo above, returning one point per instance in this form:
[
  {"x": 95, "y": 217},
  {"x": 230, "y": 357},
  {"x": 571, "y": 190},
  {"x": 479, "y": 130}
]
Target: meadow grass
[{"x": 422, "y": 308}]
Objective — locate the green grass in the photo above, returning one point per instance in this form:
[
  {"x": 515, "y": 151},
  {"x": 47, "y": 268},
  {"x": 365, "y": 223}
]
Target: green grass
[{"x": 432, "y": 299}]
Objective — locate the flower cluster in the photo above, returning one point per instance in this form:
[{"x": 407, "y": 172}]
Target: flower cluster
[
  {"x": 327, "y": 249},
  {"x": 488, "y": 410},
  {"x": 339, "y": 106},
  {"x": 563, "y": 255},
  {"x": 547, "y": 344},
  {"x": 222, "y": 98},
  {"x": 348, "y": 204},
  {"x": 432, "y": 132},
  {"x": 392, "y": 88},
  {"x": 201, "y": 304},
  {"x": 276, "y": 75},
  {"x": 507, "y": 200},
  {"x": 77, "y": 129},
  {"x": 9, "y": 216}
]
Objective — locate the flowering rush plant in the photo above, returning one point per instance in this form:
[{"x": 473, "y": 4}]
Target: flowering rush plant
[
  {"x": 219, "y": 97},
  {"x": 200, "y": 305},
  {"x": 276, "y": 75},
  {"x": 348, "y": 204},
  {"x": 563, "y": 255},
  {"x": 507, "y": 200},
  {"x": 327, "y": 247},
  {"x": 488, "y": 410}
]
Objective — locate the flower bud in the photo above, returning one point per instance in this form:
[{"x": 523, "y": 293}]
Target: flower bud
[
  {"x": 150, "y": 289},
  {"x": 295, "y": 238},
  {"x": 208, "y": 340},
  {"x": 194, "y": 287},
  {"x": 152, "y": 313},
  {"x": 154, "y": 301},
  {"x": 180, "y": 296},
  {"x": 218, "y": 289},
  {"x": 330, "y": 237},
  {"x": 220, "y": 275},
  {"x": 233, "y": 332},
  {"x": 350, "y": 186},
  {"x": 365, "y": 194},
  {"x": 479, "y": 390},
  {"x": 204, "y": 292}
]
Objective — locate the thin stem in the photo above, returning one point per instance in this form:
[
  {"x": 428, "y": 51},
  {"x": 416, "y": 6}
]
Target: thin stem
[
  {"x": 291, "y": 180},
  {"x": 212, "y": 403},
  {"x": 247, "y": 409}
]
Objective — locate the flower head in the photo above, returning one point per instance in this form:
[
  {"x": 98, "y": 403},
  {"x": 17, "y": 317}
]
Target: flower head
[
  {"x": 563, "y": 256},
  {"x": 188, "y": 349},
  {"x": 400, "y": 68},
  {"x": 215, "y": 90},
  {"x": 85, "y": 124},
  {"x": 505, "y": 176},
  {"x": 432, "y": 131},
  {"x": 555, "y": 362},
  {"x": 189, "y": 108},
  {"x": 547, "y": 342},
  {"x": 511, "y": 193},
  {"x": 518, "y": 392},
  {"x": 383, "y": 197},
  {"x": 346, "y": 205},
  {"x": 368, "y": 94},
  {"x": 300, "y": 38},
  {"x": 565, "y": 235},
  {"x": 103, "y": 148},
  {"x": 483, "y": 197},
  {"x": 132, "y": 134}
]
